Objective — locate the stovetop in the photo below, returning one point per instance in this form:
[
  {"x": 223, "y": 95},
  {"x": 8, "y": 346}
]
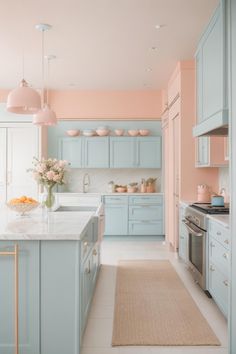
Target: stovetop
[{"x": 207, "y": 208}]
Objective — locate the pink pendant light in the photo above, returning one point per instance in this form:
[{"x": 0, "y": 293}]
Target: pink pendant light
[
  {"x": 45, "y": 116},
  {"x": 23, "y": 100}
]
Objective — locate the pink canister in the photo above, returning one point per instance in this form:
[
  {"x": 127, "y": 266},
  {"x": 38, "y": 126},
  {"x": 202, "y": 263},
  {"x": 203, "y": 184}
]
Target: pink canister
[{"x": 203, "y": 193}]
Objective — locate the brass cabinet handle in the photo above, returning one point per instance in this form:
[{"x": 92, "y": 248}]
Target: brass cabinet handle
[
  {"x": 95, "y": 252},
  {"x": 212, "y": 268},
  {"x": 226, "y": 241},
  {"x": 16, "y": 281},
  {"x": 226, "y": 283}
]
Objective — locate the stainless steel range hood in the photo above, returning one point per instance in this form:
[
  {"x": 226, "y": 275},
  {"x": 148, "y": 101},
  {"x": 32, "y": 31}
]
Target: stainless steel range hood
[{"x": 216, "y": 125}]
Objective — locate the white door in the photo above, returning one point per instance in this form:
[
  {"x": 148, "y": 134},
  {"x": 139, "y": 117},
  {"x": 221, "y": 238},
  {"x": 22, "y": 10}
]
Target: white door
[
  {"x": 3, "y": 164},
  {"x": 22, "y": 146}
]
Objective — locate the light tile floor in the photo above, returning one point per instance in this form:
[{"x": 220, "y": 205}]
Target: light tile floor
[{"x": 97, "y": 336}]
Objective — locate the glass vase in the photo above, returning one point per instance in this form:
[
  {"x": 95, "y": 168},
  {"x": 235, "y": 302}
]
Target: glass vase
[{"x": 49, "y": 199}]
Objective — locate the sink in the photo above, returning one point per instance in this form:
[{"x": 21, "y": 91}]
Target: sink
[{"x": 76, "y": 208}]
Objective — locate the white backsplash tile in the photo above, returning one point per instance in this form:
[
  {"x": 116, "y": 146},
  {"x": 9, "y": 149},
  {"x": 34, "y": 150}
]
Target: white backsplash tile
[
  {"x": 224, "y": 181},
  {"x": 99, "y": 178}
]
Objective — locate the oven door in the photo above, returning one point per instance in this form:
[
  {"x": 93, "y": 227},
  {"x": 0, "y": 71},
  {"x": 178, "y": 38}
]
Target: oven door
[{"x": 196, "y": 252}]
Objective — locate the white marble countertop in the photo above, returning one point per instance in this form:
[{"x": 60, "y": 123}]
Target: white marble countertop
[
  {"x": 221, "y": 219},
  {"x": 90, "y": 195},
  {"x": 43, "y": 226}
]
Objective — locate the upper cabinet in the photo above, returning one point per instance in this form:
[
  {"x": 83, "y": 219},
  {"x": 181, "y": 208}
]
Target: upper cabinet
[
  {"x": 211, "y": 151},
  {"x": 111, "y": 152},
  {"x": 140, "y": 152},
  {"x": 122, "y": 154},
  {"x": 211, "y": 78},
  {"x": 71, "y": 150},
  {"x": 96, "y": 152}
]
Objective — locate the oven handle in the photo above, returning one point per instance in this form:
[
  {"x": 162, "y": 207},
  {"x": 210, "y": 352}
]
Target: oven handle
[{"x": 198, "y": 234}]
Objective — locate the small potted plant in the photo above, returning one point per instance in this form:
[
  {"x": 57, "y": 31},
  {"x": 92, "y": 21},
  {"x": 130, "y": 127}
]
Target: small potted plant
[
  {"x": 132, "y": 187},
  {"x": 151, "y": 185}
]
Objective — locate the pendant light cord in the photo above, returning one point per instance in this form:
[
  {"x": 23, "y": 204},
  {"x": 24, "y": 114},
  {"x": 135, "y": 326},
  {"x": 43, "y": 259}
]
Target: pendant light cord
[{"x": 43, "y": 83}]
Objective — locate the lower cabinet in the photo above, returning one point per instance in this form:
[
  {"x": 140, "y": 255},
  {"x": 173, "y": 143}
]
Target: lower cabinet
[
  {"x": 134, "y": 215},
  {"x": 219, "y": 261},
  {"x": 56, "y": 284},
  {"x": 183, "y": 235}
]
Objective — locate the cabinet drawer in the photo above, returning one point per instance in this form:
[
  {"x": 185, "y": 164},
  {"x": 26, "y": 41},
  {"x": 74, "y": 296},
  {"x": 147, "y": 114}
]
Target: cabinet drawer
[
  {"x": 220, "y": 233},
  {"x": 157, "y": 199},
  {"x": 145, "y": 228},
  {"x": 219, "y": 255},
  {"x": 218, "y": 287},
  {"x": 122, "y": 199},
  {"x": 147, "y": 212}
]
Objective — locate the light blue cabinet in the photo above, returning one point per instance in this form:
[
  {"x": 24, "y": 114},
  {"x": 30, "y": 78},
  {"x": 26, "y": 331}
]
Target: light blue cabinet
[
  {"x": 203, "y": 152},
  {"x": 56, "y": 285},
  {"x": 148, "y": 152},
  {"x": 122, "y": 152},
  {"x": 134, "y": 215},
  {"x": 28, "y": 297},
  {"x": 140, "y": 152},
  {"x": 183, "y": 235},
  {"x": 116, "y": 215},
  {"x": 211, "y": 75},
  {"x": 111, "y": 152},
  {"x": 219, "y": 264},
  {"x": 70, "y": 149},
  {"x": 96, "y": 152}
]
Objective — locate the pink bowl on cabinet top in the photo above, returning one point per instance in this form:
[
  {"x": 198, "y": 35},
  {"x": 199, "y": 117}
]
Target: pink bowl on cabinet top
[
  {"x": 102, "y": 132},
  {"x": 144, "y": 132},
  {"x": 133, "y": 132},
  {"x": 73, "y": 132},
  {"x": 119, "y": 132}
]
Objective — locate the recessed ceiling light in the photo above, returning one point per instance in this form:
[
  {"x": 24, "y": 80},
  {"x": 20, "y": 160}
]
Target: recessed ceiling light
[
  {"x": 154, "y": 48},
  {"x": 149, "y": 69},
  {"x": 158, "y": 26}
]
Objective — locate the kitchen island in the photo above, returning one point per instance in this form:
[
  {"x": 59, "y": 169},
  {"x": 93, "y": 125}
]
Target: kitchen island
[{"x": 48, "y": 270}]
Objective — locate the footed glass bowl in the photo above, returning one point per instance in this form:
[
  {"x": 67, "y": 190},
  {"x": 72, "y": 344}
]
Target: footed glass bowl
[{"x": 23, "y": 208}]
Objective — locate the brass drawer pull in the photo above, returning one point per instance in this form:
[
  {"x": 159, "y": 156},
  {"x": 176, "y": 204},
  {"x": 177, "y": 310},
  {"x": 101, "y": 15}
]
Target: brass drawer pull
[
  {"x": 226, "y": 241},
  {"x": 16, "y": 281},
  {"x": 226, "y": 283},
  {"x": 218, "y": 233},
  {"x": 212, "y": 268},
  {"x": 95, "y": 253}
]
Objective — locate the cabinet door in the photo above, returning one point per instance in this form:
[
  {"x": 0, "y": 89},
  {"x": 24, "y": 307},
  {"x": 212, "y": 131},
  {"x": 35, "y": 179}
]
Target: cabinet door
[
  {"x": 212, "y": 67},
  {"x": 122, "y": 152},
  {"x": 86, "y": 281},
  {"x": 3, "y": 164},
  {"x": 219, "y": 287},
  {"x": 70, "y": 149},
  {"x": 202, "y": 151},
  {"x": 22, "y": 146},
  {"x": 116, "y": 219},
  {"x": 183, "y": 236},
  {"x": 96, "y": 152},
  {"x": 145, "y": 227},
  {"x": 28, "y": 297},
  {"x": 148, "y": 152}
]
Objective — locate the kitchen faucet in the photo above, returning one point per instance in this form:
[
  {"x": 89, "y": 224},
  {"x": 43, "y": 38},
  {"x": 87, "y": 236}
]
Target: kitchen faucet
[{"x": 86, "y": 182}]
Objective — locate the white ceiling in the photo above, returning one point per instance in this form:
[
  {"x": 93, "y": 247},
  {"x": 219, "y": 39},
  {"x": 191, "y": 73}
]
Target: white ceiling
[{"x": 100, "y": 44}]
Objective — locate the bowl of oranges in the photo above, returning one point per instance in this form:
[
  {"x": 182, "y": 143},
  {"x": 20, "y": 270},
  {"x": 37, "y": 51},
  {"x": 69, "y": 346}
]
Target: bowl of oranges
[{"x": 23, "y": 204}]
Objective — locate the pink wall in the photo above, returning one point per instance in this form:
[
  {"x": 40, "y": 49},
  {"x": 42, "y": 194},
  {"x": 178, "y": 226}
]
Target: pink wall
[{"x": 74, "y": 104}]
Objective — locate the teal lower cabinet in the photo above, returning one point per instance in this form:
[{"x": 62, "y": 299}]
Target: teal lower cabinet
[
  {"x": 219, "y": 263},
  {"x": 134, "y": 215},
  {"x": 28, "y": 297},
  {"x": 145, "y": 227},
  {"x": 183, "y": 235},
  {"x": 56, "y": 285},
  {"x": 116, "y": 218}
]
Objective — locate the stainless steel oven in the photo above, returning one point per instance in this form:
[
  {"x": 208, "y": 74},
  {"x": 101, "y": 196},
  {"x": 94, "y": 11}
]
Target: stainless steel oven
[{"x": 196, "y": 225}]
